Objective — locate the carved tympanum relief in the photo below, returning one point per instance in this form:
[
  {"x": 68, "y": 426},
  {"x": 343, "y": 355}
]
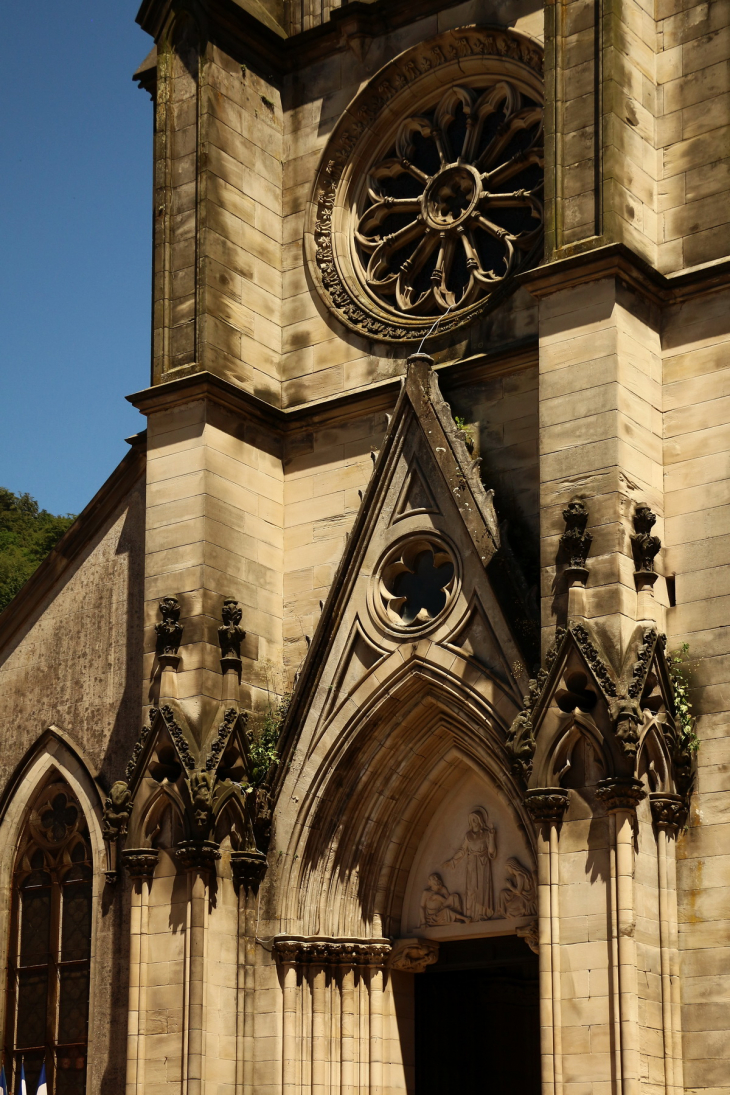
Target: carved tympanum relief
[
  {"x": 470, "y": 872},
  {"x": 429, "y": 193}
]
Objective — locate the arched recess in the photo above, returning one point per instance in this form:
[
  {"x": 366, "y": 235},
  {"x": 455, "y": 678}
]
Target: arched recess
[
  {"x": 54, "y": 759},
  {"x": 365, "y": 811}
]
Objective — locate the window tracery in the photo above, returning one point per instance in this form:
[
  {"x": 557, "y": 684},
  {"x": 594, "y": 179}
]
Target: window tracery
[{"x": 50, "y": 945}]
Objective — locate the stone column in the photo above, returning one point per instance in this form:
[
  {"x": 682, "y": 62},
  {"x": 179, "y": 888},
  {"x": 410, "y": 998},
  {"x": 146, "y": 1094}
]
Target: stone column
[
  {"x": 621, "y": 796},
  {"x": 198, "y": 858},
  {"x": 140, "y": 863},
  {"x": 248, "y": 869},
  {"x": 669, "y": 813},
  {"x": 328, "y": 967},
  {"x": 547, "y": 806}
]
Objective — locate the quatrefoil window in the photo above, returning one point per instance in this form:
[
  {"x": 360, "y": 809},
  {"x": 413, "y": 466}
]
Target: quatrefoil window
[
  {"x": 416, "y": 583},
  {"x": 455, "y": 205}
]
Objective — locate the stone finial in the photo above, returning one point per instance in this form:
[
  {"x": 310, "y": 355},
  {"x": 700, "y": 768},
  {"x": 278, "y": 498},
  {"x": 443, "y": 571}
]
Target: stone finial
[
  {"x": 646, "y": 547},
  {"x": 169, "y": 630},
  {"x": 575, "y": 541},
  {"x": 231, "y": 634}
]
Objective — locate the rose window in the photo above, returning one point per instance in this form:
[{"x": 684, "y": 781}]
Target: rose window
[{"x": 455, "y": 204}]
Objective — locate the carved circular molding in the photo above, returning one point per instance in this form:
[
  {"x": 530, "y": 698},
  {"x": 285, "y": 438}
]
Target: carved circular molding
[
  {"x": 415, "y": 584},
  {"x": 428, "y": 198}
]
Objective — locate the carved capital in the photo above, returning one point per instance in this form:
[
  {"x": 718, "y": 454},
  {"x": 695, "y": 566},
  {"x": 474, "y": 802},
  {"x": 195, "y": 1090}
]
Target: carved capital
[
  {"x": 547, "y": 804},
  {"x": 313, "y": 951},
  {"x": 248, "y": 868},
  {"x": 413, "y": 955},
  {"x": 140, "y": 862},
  {"x": 198, "y": 855},
  {"x": 620, "y": 793},
  {"x": 669, "y": 812}
]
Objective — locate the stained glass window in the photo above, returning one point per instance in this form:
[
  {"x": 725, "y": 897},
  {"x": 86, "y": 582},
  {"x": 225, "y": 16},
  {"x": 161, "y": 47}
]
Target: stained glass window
[{"x": 50, "y": 946}]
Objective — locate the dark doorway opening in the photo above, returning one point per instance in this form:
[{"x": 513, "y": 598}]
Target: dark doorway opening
[{"x": 477, "y": 1020}]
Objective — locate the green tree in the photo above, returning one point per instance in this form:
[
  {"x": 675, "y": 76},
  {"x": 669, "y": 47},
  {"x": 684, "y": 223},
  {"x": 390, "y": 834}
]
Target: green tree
[{"x": 27, "y": 534}]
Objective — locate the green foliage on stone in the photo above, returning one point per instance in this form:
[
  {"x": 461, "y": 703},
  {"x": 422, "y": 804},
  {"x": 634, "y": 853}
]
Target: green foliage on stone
[
  {"x": 263, "y": 743},
  {"x": 677, "y": 662},
  {"x": 27, "y": 534}
]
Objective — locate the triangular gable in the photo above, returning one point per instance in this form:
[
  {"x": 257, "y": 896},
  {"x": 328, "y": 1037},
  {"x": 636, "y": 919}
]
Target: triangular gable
[{"x": 420, "y": 546}]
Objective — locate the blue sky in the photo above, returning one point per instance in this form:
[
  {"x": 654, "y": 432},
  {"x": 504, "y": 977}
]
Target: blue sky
[{"x": 75, "y": 214}]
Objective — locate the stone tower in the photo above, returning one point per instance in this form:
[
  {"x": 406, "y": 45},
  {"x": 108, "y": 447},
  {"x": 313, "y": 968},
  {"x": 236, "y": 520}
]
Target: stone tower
[{"x": 355, "y": 706}]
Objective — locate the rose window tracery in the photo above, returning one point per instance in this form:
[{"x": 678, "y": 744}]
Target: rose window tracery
[
  {"x": 416, "y": 582},
  {"x": 455, "y": 205},
  {"x": 429, "y": 195}
]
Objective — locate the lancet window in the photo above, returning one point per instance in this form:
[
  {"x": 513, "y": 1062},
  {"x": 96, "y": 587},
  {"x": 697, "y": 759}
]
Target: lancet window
[{"x": 47, "y": 1002}]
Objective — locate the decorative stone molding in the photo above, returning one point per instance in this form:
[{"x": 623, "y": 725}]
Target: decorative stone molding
[
  {"x": 520, "y": 742},
  {"x": 669, "y": 812},
  {"x": 547, "y": 804},
  {"x": 224, "y": 732},
  {"x": 576, "y": 542},
  {"x": 198, "y": 855},
  {"x": 601, "y": 670},
  {"x": 453, "y": 256},
  {"x": 140, "y": 743},
  {"x": 620, "y": 793},
  {"x": 413, "y": 955},
  {"x": 531, "y": 935},
  {"x": 175, "y": 732},
  {"x": 140, "y": 862},
  {"x": 169, "y": 632},
  {"x": 308, "y": 951}
]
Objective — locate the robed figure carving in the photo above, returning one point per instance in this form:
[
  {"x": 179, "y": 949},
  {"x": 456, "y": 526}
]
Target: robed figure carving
[
  {"x": 480, "y": 848},
  {"x": 438, "y": 906}
]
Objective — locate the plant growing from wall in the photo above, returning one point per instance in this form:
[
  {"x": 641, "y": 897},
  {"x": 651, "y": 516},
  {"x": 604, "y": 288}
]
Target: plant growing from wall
[
  {"x": 677, "y": 662},
  {"x": 263, "y": 744}
]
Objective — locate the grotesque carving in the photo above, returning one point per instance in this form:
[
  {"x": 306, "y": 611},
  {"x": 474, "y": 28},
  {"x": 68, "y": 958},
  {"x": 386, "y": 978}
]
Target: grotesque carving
[
  {"x": 479, "y": 848},
  {"x": 646, "y": 546},
  {"x": 531, "y": 935},
  {"x": 575, "y": 541},
  {"x": 413, "y": 955},
  {"x": 117, "y": 808},
  {"x": 201, "y": 786},
  {"x": 169, "y": 630},
  {"x": 231, "y": 634},
  {"x": 519, "y": 897}
]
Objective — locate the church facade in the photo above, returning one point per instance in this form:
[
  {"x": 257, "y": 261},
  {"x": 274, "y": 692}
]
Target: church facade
[{"x": 367, "y": 732}]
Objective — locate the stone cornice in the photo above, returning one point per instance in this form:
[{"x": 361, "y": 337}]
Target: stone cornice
[
  {"x": 233, "y": 27},
  {"x": 328, "y": 951},
  {"x": 618, "y": 261},
  {"x": 335, "y": 410}
]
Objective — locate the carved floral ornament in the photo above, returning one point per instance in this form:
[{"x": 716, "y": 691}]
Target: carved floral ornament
[{"x": 429, "y": 194}]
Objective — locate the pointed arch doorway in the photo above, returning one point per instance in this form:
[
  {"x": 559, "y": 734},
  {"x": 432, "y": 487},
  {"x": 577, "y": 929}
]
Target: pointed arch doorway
[{"x": 477, "y": 1028}]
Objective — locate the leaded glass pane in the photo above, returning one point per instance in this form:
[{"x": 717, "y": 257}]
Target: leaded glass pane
[
  {"x": 35, "y": 919},
  {"x": 73, "y": 1005},
  {"x": 32, "y": 1002},
  {"x": 76, "y": 921},
  {"x": 32, "y": 1062},
  {"x": 70, "y": 1073}
]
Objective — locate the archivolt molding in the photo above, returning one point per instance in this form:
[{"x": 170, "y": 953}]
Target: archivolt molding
[{"x": 370, "y": 279}]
